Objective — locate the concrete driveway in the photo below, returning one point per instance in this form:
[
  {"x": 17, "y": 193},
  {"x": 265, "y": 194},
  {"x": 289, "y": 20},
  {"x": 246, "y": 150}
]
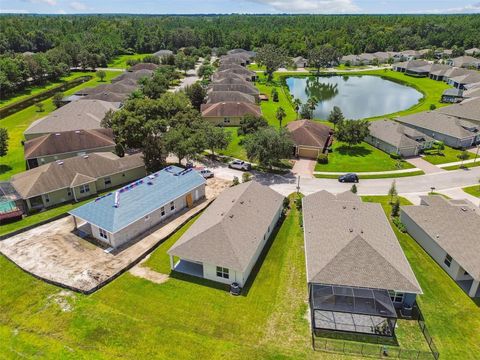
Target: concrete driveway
[
  {"x": 304, "y": 167},
  {"x": 424, "y": 165}
]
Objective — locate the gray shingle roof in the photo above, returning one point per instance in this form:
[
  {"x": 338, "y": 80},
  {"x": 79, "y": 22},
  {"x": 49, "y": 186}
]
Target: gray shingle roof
[
  {"x": 351, "y": 243},
  {"x": 468, "y": 109},
  {"x": 439, "y": 122},
  {"x": 309, "y": 133},
  {"x": 68, "y": 141},
  {"x": 60, "y": 175},
  {"x": 231, "y": 229},
  {"x": 77, "y": 115},
  {"x": 396, "y": 134},
  {"x": 454, "y": 226},
  {"x": 222, "y": 96},
  {"x": 244, "y": 88}
]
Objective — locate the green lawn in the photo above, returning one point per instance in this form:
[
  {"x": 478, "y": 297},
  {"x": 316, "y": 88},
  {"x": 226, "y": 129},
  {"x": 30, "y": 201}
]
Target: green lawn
[
  {"x": 184, "y": 318},
  {"x": 447, "y": 155},
  {"x": 473, "y": 190},
  {"x": 465, "y": 166},
  {"x": 37, "y": 89},
  {"x": 234, "y": 149},
  {"x": 120, "y": 62},
  {"x": 452, "y": 318},
  {"x": 363, "y": 157},
  {"x": 17, "y": 123}
]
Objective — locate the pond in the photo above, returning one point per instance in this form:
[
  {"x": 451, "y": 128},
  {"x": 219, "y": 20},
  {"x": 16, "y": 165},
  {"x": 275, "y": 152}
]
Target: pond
[{"x": 357, "y": 96}]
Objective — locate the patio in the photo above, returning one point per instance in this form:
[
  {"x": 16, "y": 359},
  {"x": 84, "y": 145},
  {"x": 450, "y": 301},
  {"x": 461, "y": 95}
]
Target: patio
[
  {"x": 350, "y": 309},
  {"x": 189, "y": 268}
]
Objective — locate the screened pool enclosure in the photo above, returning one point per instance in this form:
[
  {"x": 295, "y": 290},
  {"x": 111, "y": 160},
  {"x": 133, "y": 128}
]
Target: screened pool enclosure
[{"x": 352, "y": 309}]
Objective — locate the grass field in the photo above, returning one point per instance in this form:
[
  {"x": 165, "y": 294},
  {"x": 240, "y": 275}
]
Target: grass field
[
  {"x": 37, "y": 89},
  {"x": 363, "y": 157},
  {"x": 185, "y": 317},
  {"x": 447, "y": 155},
  {"x": 17, "y": 123},
  {"x": 234, "y": 149},
  {"x": 473, "y": 190},
  {"x": 465, "y": 166},
  {"x": 453, "y": 319},
  {"x": 120, "y": 62}
]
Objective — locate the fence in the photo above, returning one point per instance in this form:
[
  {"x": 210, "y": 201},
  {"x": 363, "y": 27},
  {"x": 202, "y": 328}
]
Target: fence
[
  {"x": 368, "y": 349},
  {"x": 22, "y": 104}
]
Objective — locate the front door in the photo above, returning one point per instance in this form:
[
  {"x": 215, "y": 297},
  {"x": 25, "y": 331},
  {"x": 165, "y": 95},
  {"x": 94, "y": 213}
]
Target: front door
[{"x": 189, "y": 200}]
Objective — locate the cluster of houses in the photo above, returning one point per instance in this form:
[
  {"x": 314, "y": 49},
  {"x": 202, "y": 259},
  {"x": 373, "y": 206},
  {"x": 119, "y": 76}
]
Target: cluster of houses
[
  {"x": 231, "y": 94},
  {"x": 383, "y": 57},
  {"x": 69, "y": 156}
]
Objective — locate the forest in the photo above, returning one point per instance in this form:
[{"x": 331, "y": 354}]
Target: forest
[{"x": 34, "y": 48}]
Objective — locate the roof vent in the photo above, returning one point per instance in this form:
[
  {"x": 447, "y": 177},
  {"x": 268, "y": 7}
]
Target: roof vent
[
  {"x": 57, "y": 134},
  {"x": 231, "y": 216},
  {"x": 437, "y": 236},
  {"x": 76, "y": 132},
  {"x": 351, "y": 230},
  {"x": 464, "y": 209},
  {"x": 117, "y": 199},
  {"x": 85, "y": 156},
  {"x": 344, "y": 207},
  {"x": 151, "y": 177}
]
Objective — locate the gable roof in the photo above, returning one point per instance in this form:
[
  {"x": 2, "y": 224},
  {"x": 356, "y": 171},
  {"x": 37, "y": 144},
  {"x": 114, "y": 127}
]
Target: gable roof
[
  {"x": 233, "y": 80},
  {"x": 309, "y": 133},
  {"x": 68, "y": 141},
  {"x": 351, "y": 243},
  {"x": 231, "y": 229},
  {"x": 229, "y": 74},
  {"x": 77, "y": 115},
  {"x": 222, "y": 96},
  {"x": 396, "y": 134},
  {"x": 61, "y": 174},
  {"x": 468, "y": 109},
  {"x": 164, "y": 52},
  {"x": 238, "y": 69},
  {"x": 139, "y": 198},
  {"x": 453, "y": 225},
  {"x": 439, "y": 122},
  {"x": 134, "y": 75},
  {"x": 246, "y": 88},
  {"x": 463, "y": 61},
  {"x": 230, "y": 108}
]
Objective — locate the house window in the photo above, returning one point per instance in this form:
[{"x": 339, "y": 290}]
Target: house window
[
  {"x": 69, "y": 193},
  {"x": 448, "y": 260},
  {"x": 222, "y": 272},
  {"x": 397, "y": 297},
  {"x": 172, "y": 206},
  {"x": 107, "y": 180},
  {"x": 162, "y": 210},
  {"x": 103, "y": 233},
  {"x": 226, "y": 120},
  {"x": 84, "y": 188},
  {"x": 47, "y": 199},
  {"x": 147, "y": 217}
]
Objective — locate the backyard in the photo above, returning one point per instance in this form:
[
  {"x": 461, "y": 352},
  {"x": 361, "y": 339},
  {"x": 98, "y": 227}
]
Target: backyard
[
  {"x": 453, "y": 319},
  {"x": 234, "y": 149},
  {"x": 359, "y": 158},
  {"x": 18, "y": 122},
  {"x": 183, "y": 317}
]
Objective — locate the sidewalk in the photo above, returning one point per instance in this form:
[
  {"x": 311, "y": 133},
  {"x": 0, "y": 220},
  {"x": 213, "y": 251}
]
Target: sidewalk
[
  {"x": 458, "y": 163},
  {"x": 403, "y": 171}
]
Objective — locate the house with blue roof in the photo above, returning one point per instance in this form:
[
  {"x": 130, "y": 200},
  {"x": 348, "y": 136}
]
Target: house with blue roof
[{"x": 123, "y": 215}]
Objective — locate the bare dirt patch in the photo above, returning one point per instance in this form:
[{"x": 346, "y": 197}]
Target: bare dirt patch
[
  {"x": 149, "y": 274},
  {"x": 53, "y": 252}
]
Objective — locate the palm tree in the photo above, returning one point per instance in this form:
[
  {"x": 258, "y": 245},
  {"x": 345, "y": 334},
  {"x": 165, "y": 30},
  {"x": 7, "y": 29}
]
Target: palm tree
[
  {"x": 296, "y": 104},
  {"x": 280, "y": 115}
]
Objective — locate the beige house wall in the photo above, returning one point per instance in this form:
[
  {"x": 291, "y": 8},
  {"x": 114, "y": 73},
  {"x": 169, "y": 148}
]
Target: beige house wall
[{"x": 224, "y": 120}]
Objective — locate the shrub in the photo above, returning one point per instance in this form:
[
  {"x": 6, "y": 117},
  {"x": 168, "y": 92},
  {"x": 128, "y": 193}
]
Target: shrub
[
  {"x": 433, "y": 106},
  {"x": 57, "y": 99},
  {"x": 246, "y": 176},
  {"x": 322, "y": 159},
  {"x": 298, "y": 203},
  {"x": 354, "y": 189},
  {"x": 396, "y": 208},
  {"x": 395, "y": 156},
  {"x": 235, "y": 181},
  {"x": 400, "y": 226},
  {"x": 274, "y": 95}
]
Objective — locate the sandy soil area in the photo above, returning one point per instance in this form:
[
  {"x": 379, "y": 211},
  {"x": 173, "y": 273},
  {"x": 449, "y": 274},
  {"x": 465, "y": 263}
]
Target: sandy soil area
[{"x": 55, "y": 253}]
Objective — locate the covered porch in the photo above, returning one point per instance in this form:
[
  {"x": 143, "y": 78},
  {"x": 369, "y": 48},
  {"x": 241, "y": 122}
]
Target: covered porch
[
  {"x": 187, "y": 267},
  {"x": 471, "y": 287},
  {"x": 352, "y": 309}
]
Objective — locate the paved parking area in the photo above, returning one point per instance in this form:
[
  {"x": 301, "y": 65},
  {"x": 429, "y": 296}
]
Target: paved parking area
[{"x": 53, "y": 252}]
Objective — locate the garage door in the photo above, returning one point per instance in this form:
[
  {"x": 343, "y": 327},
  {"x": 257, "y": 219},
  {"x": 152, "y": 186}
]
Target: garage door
[
  {"x": 308, "y": 153},
  {"x": 408, "y": 152}
]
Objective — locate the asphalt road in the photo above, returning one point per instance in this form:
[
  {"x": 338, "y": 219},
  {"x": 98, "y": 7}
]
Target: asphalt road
[{"x": 286, "y": 184}]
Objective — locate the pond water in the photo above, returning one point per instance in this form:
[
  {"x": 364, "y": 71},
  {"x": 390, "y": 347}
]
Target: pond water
[{"x": 357, "y": 96}]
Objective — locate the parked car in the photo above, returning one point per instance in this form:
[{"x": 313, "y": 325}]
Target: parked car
[
  {"x": 348, "y": 178},
  {"x": 240, "y": 165},
  {"x": 189, "y": 165},
  {"x": 207, "y": 174}
]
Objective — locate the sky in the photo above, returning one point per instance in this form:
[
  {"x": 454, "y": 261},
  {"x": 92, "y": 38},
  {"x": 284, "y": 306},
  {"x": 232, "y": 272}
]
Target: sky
[{"x": 240, "y": 6}]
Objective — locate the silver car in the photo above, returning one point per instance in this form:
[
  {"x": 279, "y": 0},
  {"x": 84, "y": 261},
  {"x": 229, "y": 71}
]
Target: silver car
[
  {"x": 240, "y": 165},
  {"x": 207, "y": 174}
]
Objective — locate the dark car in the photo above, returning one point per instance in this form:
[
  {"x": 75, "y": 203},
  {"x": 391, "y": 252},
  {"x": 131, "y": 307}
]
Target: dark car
[{"x": 348, "y": 178}]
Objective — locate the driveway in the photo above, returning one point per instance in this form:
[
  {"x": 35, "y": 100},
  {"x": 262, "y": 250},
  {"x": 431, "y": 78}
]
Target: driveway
[
  {"x": 304, "y": 167},
  {"x": 424, "y": 165}
]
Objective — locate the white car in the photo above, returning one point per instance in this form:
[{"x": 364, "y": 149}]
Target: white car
[
  {"x": 240, "y": 165},
  {"x": 207, "y": 174}
]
